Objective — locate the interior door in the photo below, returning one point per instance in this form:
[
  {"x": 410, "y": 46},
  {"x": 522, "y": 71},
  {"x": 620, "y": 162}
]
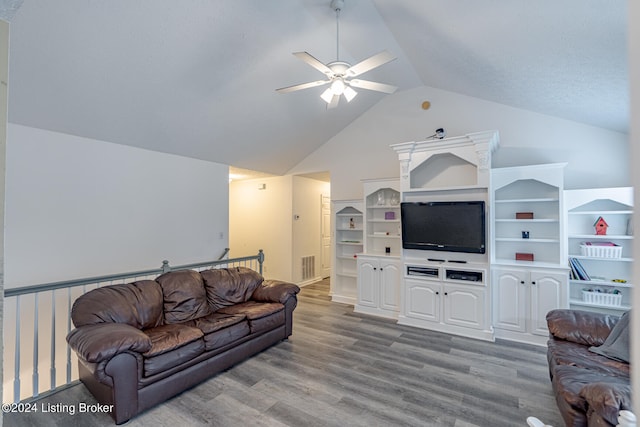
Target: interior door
[{"x": 326, "y": 235}]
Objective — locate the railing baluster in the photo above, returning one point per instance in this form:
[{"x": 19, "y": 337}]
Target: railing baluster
[
  {"x": 35, "y": 347},
  {"x": 16, "y": 367},
  {"x": 53, "y": 339},
  {"x": 69, "y": 330}
]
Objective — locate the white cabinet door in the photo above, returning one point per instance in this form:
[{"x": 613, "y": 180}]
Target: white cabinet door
[
  {"x": 389, "y": 275},
  {"x": 464, "y": 306},
  {"x": 510, "y": 299},
  {"x": 423, "y": 299},
  {"x": 368, "y": 279},
  {"x": 548, "y": 292}
]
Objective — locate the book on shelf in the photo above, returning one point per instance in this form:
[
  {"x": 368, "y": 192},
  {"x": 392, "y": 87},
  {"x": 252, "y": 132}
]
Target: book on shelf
[{"x": 578, "y": 271}]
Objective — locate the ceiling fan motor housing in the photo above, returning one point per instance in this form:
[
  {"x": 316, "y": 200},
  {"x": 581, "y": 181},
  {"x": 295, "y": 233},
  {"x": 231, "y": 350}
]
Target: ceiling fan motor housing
[{"x": 337, "y": 5}]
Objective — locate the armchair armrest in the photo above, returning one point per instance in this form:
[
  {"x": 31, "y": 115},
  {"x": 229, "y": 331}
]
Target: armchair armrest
[
  {"x": 95, "y": 343},
  {"x": 582, "y": 327},
  {"x": 275, "y": 291},
  {"x": 608, "y": 399}
]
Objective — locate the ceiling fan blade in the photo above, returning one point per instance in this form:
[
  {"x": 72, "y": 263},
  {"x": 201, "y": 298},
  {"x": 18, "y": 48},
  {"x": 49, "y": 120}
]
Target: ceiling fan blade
[
  {"x": 366, "y": 84},
  {"x": 302, "y": 86},
  {"x": 334, "y": 102},
  {"x": 311, "y": 60},
  {"x": 370, "y": 63}
]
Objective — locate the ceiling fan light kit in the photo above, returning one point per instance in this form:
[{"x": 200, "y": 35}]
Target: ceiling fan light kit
[{"x": 339, "y": 73}]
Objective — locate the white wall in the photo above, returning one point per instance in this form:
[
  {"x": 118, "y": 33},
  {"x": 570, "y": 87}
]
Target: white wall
[
  {"x": 77, "y": 207},
  {"x": 597, "y": 157},
  {"x": 261, "y": 219}
]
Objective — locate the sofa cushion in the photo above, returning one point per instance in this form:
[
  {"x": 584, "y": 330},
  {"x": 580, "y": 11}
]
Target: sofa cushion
[
  {"x": 229, "y": 286},
  {"x": 138, "y": 304},
  {"x": 227, "y": 335},
  {"x": 215, "y": 321},
  {"x": 569, "y": 353},
  {"x": 171, "y": 345},
  {"x": 184, "y": 296},
  {"x": 262, "y": 316},
  {"x": 580, "y": 326},
  {"x": 165, "y": 338},
  {"x": 617, "y": 344},
  {"x": 157, "y": 364}
]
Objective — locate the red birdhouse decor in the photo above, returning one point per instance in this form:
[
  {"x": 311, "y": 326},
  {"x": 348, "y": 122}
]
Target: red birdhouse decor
[{"x": 601, "y": 226}]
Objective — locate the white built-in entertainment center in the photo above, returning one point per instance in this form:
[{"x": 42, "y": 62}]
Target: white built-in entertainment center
[{"x": 493, "y": 259}]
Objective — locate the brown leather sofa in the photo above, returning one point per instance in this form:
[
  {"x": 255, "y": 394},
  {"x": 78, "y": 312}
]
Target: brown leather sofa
[
  {"x": 590, "y": 389},
  {"x": 139, "y": 344}
]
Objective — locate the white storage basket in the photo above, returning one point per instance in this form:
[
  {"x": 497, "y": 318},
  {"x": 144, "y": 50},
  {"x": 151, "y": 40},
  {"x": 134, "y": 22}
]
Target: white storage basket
[
  {"x": 597, "y": 251},
  {"x": 601, "y": 298}
]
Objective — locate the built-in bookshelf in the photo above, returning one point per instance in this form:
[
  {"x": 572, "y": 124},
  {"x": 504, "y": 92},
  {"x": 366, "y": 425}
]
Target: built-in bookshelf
[
  {"x": 348, "y": 243},
  {"x": 601, "y": 264},
  {"x": 529, "y": 274},
  {"x": 382, "y": 218}
]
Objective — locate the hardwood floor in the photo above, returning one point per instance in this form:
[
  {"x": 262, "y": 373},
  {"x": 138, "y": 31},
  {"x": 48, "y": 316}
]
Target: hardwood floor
[{"x": 345, "y": 369}]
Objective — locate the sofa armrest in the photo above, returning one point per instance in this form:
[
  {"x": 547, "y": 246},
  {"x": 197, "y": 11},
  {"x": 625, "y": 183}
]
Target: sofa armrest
[
  {"x": 607, "y": 399},
  {"x": 275, "y": 291},
  {"x": 582, "y": 327},
  {"x": 95, "y": 343}
]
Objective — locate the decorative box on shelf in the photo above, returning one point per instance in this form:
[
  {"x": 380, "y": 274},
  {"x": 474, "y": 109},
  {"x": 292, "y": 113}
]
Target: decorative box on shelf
[
  {"x": 601, "y": 250},
  {"x": 602, "y": 298},
  {"x": 522, "y": 256},
  {"x": 524, "y": 215}
]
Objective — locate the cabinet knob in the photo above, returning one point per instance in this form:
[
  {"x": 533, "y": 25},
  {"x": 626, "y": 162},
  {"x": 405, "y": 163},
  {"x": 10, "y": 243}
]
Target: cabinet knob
[
  {"x": 437, "y": 293},
  {"x": 446, "y": 293},
  {"x": 533, "y": 283},
  {"x": 375, "y": 268},
  {"x": 522, "y": 281}
]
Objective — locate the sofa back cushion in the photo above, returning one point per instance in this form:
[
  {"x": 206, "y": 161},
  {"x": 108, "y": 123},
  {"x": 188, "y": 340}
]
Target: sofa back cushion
[
  {"x": 184, "y": 296},
  {"x": 138, "y": 304},
  {"x": 229, "y": 286},
  {"x": 579, "y": 326}
]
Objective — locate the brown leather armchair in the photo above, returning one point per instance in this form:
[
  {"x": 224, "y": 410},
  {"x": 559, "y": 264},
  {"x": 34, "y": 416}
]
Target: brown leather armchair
[{"x": 591, "y": 389}]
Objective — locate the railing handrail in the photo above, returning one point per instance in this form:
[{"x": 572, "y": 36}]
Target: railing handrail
[{"x": 63, "y": 284}]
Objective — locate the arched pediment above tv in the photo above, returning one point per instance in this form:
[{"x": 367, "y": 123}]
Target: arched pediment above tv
[{"x": 457, "y": 162}]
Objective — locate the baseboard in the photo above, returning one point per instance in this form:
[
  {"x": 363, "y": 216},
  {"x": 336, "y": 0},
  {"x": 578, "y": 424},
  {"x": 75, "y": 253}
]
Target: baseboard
[{"x": 309, "y": 282}]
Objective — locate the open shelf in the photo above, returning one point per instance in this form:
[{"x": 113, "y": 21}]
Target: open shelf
[
  {"x": 581, "y": 303},
  {"x": 584, "y": 208}
]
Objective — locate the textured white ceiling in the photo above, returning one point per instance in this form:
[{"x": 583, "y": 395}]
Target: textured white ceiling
[{"x": 197, "y": 78}]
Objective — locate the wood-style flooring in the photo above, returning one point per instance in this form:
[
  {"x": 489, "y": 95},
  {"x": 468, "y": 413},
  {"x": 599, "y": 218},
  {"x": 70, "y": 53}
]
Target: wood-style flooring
[{"x": 345, "y": 369}]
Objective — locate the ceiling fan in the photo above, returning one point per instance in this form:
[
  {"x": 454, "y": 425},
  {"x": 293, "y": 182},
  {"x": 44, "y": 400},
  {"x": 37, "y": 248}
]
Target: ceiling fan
[{"x": 340, "y": 75}]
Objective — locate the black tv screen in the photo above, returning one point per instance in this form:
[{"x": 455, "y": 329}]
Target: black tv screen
[{"x": 443, "y": 226}]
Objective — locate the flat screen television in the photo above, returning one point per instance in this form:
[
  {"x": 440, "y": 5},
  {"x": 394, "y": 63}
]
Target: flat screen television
[{"x": 444, "y": 226}]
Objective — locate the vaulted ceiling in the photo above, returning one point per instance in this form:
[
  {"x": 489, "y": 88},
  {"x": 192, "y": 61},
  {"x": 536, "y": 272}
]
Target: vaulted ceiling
[{"x": 198, "y": 78}]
